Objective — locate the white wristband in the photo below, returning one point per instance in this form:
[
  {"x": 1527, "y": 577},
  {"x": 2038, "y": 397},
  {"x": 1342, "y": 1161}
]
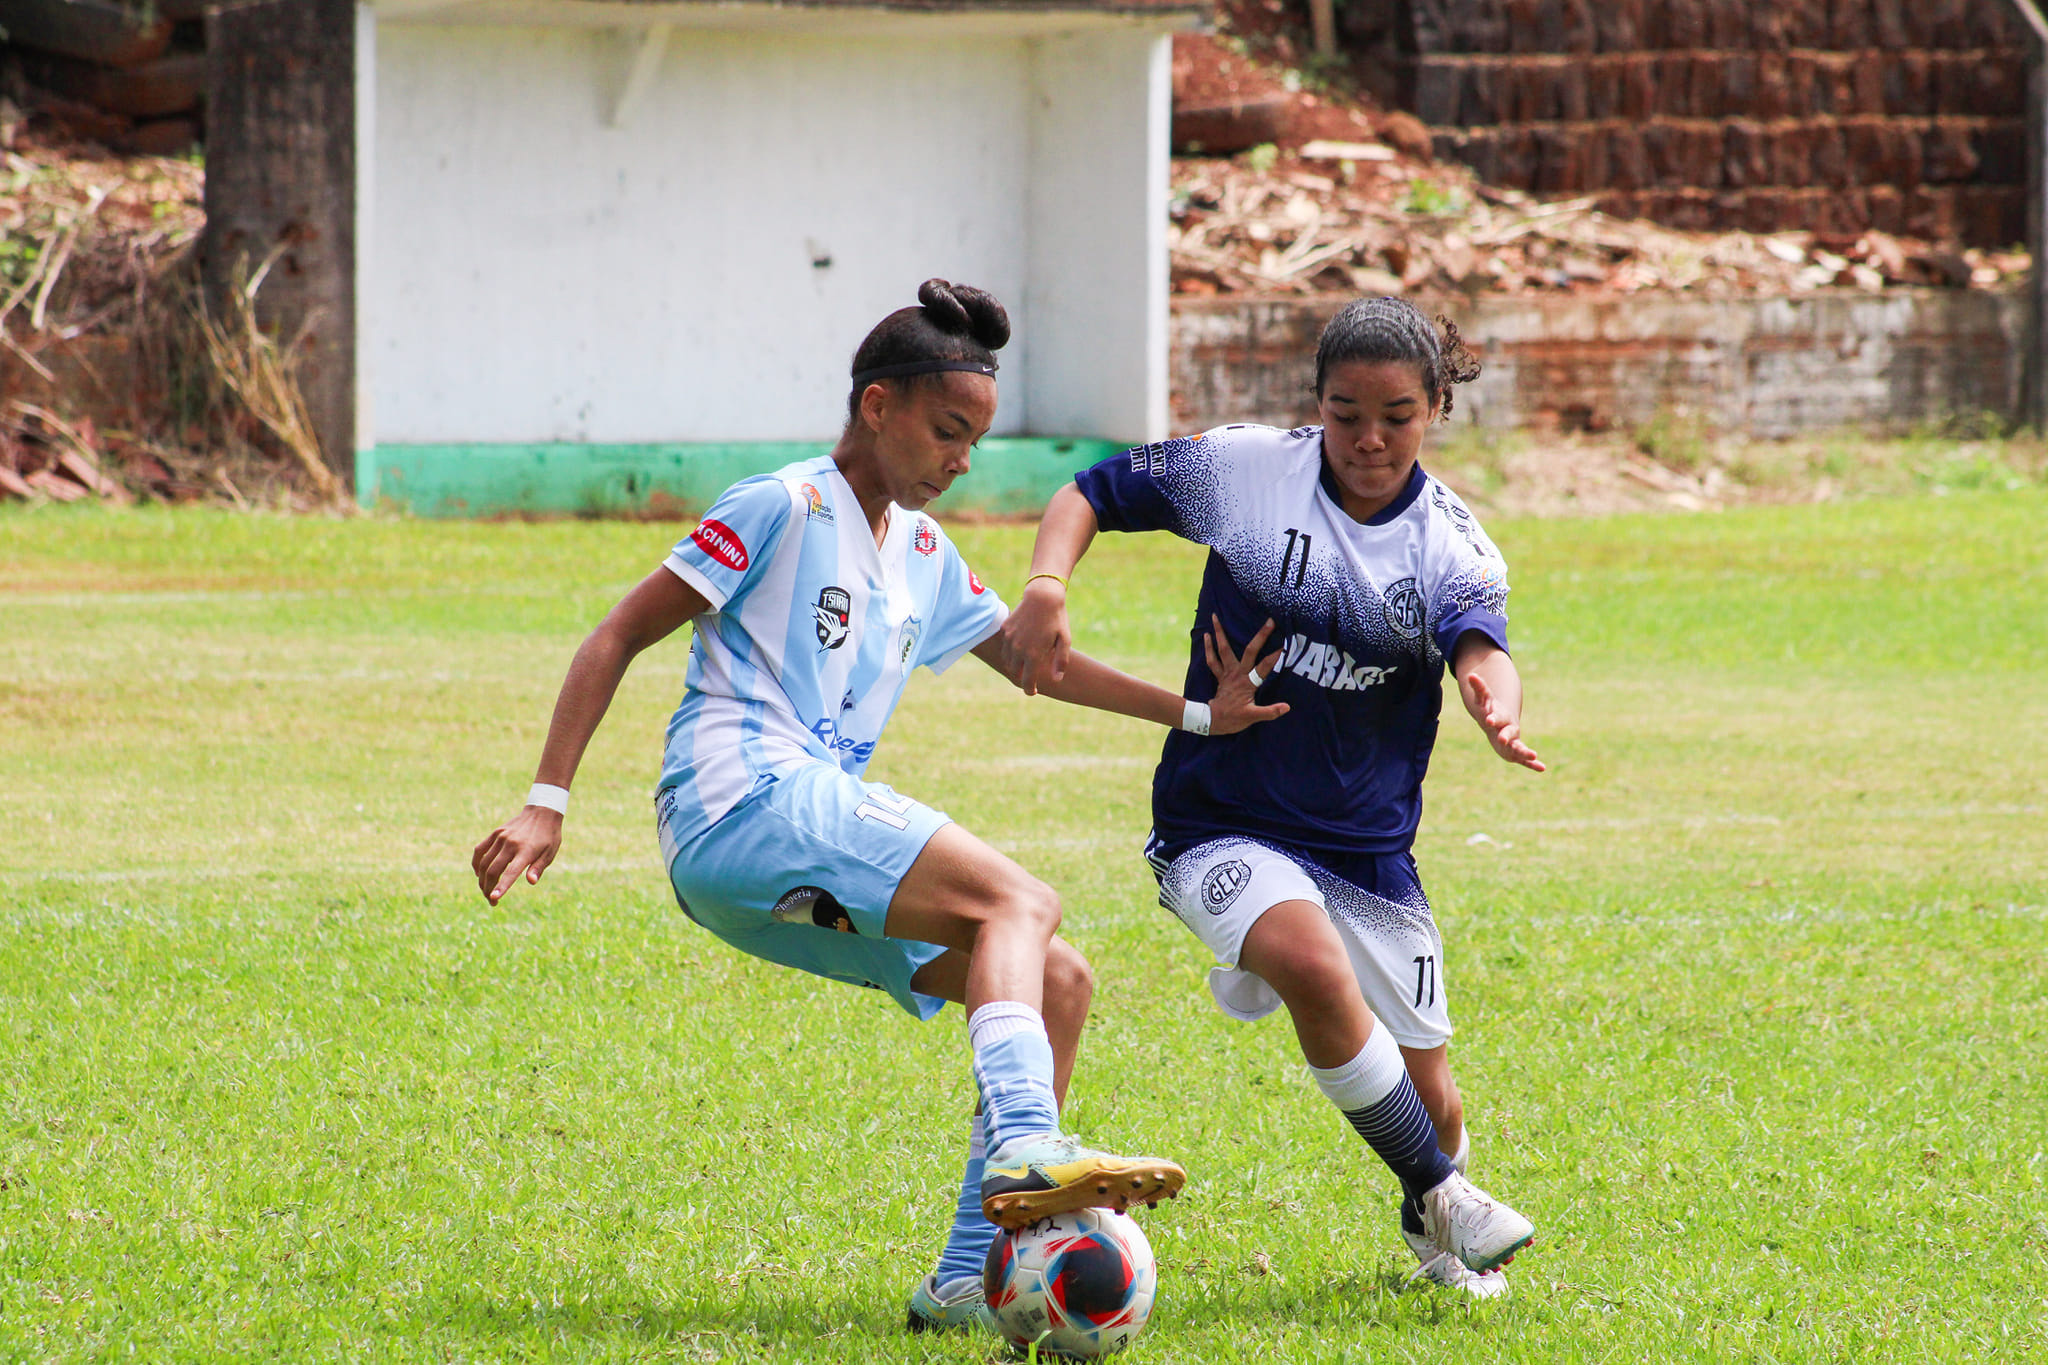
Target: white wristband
[
  {"x": 555, "y": 799},
  {"x": 1194, "y": 717}
]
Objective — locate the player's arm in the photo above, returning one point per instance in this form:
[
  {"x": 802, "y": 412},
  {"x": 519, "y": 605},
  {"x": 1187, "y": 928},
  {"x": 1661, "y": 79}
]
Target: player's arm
[
  {"x": 1090, "y": 682},
  {"x": 1492, "y": 692},
  {"x": 1037, "y": 636},
  {"x": 651, "y": 612}
]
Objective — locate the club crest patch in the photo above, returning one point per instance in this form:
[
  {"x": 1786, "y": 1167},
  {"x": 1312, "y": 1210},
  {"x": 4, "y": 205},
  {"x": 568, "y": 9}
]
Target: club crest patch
[
  {"x": 1223, "y": 884},
  {"x": 721, "y": 542},
  {"x": 1404, "y": 609},
  {"x": 906, "y": 643},
  {"x": 818, "y": 510},
  {"x": 835, "y": 614},
  {"x": 926, "y": 540}
]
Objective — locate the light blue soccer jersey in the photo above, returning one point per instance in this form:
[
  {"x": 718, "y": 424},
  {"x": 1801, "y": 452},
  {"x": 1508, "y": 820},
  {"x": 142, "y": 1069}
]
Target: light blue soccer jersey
[{"x": 812, "y": 633}]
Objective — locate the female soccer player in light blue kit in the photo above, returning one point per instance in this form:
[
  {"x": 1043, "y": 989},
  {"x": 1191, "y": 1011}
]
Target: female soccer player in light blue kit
[
  {"x": 1286, "y": 848},
  {"x": 815, "y": 591}
]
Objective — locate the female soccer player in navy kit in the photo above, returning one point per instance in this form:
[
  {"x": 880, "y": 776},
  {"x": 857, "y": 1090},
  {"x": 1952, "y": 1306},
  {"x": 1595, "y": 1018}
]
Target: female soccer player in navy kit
[
  {"x": 815, "y": 591},
  {"x": 1286, "y": 848}
]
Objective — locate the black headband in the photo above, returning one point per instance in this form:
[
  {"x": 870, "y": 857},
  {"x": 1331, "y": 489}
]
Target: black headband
[{"x": 864, "y": 378}]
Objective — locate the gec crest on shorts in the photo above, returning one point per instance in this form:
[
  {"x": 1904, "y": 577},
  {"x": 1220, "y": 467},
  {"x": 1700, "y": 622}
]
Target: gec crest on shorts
[
  {"x": 1404, "y": 609},
  {"x": 835, "y": 612},
  {"x": 1224, "y": 882}
]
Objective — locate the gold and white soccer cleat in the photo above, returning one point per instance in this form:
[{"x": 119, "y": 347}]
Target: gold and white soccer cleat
[{"x": 1029, "y": 1178}]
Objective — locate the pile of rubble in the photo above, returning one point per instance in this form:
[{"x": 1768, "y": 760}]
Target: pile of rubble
[
  {"x": 1320, "y": 193},
  {"x": 99, "y": 301}
]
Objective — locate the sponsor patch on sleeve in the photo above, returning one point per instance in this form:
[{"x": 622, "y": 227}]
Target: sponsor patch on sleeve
[
  {"x": 974, "y": 582},
  {"x": 722, "y": 543}
]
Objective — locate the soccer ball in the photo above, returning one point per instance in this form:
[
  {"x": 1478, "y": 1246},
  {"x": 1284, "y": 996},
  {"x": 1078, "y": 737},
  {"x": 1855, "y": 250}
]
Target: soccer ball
[{"x": 1079, "y": 1284}]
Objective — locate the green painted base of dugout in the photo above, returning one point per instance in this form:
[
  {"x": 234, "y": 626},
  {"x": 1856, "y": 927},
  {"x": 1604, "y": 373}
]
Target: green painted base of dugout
[{"x": 1012, "y": 476}]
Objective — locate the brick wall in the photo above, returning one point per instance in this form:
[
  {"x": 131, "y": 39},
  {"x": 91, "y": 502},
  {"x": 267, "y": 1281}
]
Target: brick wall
[
  {"x": 1834, "y": 116},
  {"x": 1763, "y": 367}
]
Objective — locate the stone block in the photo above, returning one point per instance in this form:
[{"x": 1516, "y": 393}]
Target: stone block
[
  {"x": 1738, "y": 85},
  {"x": 1887, "y": 207},
  {"x": 1726, "y": 23},
  {"x": 1618, "y": 25},
  {"x": 2000, "y": 146},
  {"x": 1674, "y": 84},
  {"x": 1792, "y": 154},
  {"x": 1830, "y": 157},
  {"x": 1685, "y": 26},
  {"x": 1639, "y": 85},
  {"x": 1909, "y": 83},
  {"x": 1628, "y": 159},
  {"x": 1574, "y": 100},
  {"x": 1851, "y": 24},
  {"x": 1974, "y": 83},
  {"x": 1943, "y": 23},
  {"x": 1439, "y": 83},
  {"x": 1745, "y": 154},
  {"x": 1865, "y": 93},
  {"x": 1603, "y": 87},
  {"x": 1946, "y": 152},
  {"x": 1991, "y": 215},
  {"x": 1841, "y": 214},
  {"x": 1792, "y": 23},
  {"x": 1527, "y": 92},
  {"x": 1931, "y": 212},
  {"x": 1560, "y": 160},
  {"x": 1801, "y": 71},
  {"x": 1890, "y": 23},
  {"x": 1882, "y": 151},
  {"x": 1704, "y": 84},
  {"x": 1772, "y": 93},
  {"x": 1995, "y": 26}
]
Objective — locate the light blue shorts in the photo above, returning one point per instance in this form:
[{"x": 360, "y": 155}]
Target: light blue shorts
[{"x": 801, "y": 873}]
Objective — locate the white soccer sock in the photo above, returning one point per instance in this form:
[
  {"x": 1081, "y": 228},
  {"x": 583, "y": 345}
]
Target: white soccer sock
[
  {"x": 1366, "y": 1079},
  {"x": 1013, "y": 1066},
  {"x": 1000, "y": 1019}
]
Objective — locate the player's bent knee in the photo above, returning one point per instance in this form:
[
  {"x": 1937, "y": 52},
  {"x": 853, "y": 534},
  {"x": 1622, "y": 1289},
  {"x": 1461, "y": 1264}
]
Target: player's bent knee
[{"x": 1069, "y": 979}]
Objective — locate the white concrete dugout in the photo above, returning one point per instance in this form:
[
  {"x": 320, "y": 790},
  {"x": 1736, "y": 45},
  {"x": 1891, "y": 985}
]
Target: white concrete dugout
[{"x": 612, "y": 222}]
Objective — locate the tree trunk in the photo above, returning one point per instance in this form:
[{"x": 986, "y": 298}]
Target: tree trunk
[{"x": 281, "y": 177}]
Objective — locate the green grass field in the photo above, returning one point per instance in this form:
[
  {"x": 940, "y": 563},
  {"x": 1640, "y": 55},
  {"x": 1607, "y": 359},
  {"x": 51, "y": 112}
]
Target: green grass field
[{"x": 1750, "y": 987}]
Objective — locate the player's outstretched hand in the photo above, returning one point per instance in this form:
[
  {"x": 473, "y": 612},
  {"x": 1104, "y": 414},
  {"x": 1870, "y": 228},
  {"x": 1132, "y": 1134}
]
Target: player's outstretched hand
[
  {"x": 1503, "y": 731},
  {"x": 526, "y": 843},
  {"x": 1036, "y": 639},
  {"x": 1235, "y": 706}
]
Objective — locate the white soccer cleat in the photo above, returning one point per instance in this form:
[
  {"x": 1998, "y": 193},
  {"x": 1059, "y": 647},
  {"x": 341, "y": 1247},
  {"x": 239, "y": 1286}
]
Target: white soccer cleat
[
  {"x": 1464, "y": 1220},
  {"x": 1446, "y": 1271}
]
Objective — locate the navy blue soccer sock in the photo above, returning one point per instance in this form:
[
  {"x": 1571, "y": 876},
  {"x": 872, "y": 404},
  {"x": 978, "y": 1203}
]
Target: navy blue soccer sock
[{"x": 1374, "y": 1093}]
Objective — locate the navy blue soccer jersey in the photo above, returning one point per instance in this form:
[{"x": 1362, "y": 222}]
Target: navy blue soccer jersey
[{"x": 1366, "y": 614}]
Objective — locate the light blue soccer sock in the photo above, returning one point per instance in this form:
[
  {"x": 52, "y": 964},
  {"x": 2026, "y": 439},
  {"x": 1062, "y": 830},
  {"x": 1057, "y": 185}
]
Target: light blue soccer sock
[
  {"x": 1375, "y": 1094},
  {"x": 967, "y": 1243},
  {"x": 1013, "y": 1069}
]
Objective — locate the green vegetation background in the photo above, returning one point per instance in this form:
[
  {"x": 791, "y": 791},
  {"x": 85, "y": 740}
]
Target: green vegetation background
[{"x": 1750, "y": 986}]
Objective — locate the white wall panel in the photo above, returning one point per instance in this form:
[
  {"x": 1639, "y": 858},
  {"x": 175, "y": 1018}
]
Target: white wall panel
[{"x": 543, "y": 276}]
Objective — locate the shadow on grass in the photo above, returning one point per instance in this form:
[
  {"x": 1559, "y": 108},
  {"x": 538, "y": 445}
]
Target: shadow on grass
[{"x": 750, "y": 1321}]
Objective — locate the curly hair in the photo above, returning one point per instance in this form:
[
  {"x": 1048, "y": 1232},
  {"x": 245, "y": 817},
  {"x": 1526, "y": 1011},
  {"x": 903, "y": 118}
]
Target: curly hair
[{"x": 1395, "y": 329}]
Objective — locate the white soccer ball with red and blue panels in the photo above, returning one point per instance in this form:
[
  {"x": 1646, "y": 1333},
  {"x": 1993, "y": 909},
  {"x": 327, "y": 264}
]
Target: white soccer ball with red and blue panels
[{"x": 1079, "y": 1284}]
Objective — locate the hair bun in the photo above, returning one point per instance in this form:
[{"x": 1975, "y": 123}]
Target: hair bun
[{"x": 963, "y": 310}]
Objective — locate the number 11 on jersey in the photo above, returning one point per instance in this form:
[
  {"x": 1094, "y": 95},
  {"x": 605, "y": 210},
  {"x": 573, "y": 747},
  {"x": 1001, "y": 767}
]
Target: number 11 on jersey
[{"x": 893, "y": 811}]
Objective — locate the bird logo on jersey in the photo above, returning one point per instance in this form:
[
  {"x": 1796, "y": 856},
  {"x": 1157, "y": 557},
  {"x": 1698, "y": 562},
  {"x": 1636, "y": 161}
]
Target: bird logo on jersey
[
  {"x": 835, "y": 614},
  {"x": 1404, "y": 609},
  {"x": 926, "y": 540}
]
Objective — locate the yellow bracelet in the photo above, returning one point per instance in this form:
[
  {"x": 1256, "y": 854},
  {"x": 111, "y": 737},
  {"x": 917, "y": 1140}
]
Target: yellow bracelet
[{"x": 1053, "y": 576}]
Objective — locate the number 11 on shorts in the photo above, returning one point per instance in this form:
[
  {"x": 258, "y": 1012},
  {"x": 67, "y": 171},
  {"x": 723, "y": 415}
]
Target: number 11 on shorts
[
  {"x": 893, "y": 811},
  {"x": 1425, "y": 976}
]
